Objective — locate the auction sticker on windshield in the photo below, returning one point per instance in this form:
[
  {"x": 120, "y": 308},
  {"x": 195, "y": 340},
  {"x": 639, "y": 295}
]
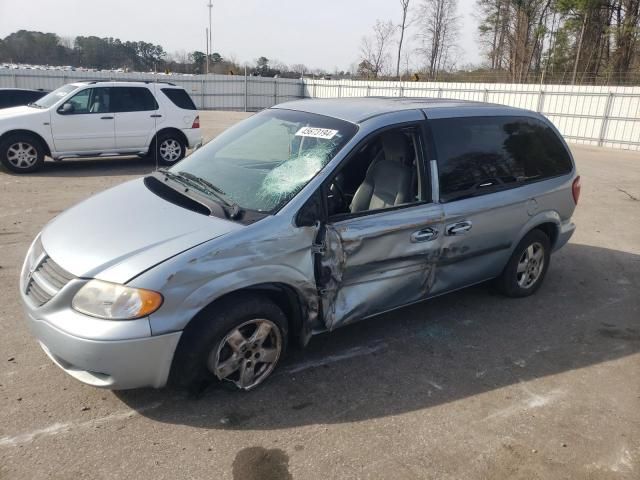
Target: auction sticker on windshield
[{"x": 316, "y": 132}]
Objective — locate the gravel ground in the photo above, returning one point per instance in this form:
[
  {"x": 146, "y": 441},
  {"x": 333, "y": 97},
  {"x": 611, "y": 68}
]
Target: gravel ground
[{"x": 467, "y": 386}]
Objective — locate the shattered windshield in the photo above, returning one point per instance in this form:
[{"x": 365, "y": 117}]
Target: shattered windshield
[{"x": 264, "y": 161}]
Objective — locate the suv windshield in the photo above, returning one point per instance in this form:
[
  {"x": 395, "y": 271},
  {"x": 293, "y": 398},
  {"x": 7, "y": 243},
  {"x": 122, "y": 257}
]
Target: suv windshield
[
  {"x": 263, "y": 162},
  {"x": 51, "y": 98}
]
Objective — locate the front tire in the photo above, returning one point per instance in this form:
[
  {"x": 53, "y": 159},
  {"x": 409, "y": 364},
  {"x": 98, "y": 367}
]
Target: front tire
[
  {"x": 527, "y": 266},
  {"x": 239, "y": 341},
  {"x": 22, "y": 153},
  {"x": 168, "y": 149}
]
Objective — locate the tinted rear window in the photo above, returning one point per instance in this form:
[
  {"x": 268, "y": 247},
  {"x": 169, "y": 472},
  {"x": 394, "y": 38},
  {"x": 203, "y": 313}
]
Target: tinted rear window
[
  {"x": 132, "y": 99},
  {"x": 478, "y": 155},
  {"x": 180, "y": 98}
]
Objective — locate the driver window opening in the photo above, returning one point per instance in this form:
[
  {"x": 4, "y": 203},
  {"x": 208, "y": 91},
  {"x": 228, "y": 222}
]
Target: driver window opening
[{"x": 384, "y": 173}]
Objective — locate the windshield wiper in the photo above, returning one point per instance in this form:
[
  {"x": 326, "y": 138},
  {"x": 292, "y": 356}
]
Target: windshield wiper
[
  {"x": 232, "y": 209},
  {"x": 34, "y": 105},
  {"x": 216, "y": 191}
]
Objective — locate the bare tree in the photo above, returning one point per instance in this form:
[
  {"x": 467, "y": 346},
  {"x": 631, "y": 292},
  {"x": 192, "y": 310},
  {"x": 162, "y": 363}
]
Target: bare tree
[
  {"x": 374, "y": 50},
  {"x": 403, "y": 27},
  {"x": 438, "y": 30}
]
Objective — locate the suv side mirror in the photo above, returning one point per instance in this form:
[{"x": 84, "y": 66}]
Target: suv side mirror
[{"x": 66, "y": 108}]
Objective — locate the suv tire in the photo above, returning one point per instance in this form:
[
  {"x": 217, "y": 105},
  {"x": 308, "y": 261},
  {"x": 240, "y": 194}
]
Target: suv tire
[
  {"x": 527, "y": 266},
  {"x": 168, "y": 148},
  {"x": 22, "y": 153},
  {"x": 229, "y": 339}
]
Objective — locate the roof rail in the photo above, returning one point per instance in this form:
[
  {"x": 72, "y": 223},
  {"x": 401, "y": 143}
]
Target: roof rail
[{"x": 92, "y": 82}]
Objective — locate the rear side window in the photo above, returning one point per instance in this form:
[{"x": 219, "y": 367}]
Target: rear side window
[
  {"x": 132, "y": 99},
  {"x": 180, "y": 98},
  {"x": 478, "y": 155}
]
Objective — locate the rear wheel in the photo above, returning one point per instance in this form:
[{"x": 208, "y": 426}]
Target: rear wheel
[
  {"x": 168, "y": 148},
  {"x": 527, "y": 266},
  {"x": 22, "y": 153},
  {"x": 239, "y": 341}
]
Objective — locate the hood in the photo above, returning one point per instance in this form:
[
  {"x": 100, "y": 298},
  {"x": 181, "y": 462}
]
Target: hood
[
  {"x": 19, "y": 111},
  {"x": 119, "y": 233}
]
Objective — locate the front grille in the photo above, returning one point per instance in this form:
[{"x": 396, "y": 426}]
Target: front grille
[{"x": 45, "y": 280}]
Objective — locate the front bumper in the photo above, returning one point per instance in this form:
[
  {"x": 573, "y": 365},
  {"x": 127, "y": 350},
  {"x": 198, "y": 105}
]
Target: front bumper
[{"x": 113, "y": 364}]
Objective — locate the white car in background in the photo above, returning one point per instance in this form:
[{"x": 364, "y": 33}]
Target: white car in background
[{"x": 100, "y": 118}]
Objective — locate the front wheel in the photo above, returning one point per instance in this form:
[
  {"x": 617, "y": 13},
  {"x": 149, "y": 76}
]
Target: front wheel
[
  {"x": 238, "y": 341},
  {"x": 168, "y": 149},
  {"x": 527, "y": 266},
  {"x": 22, "y": 153}
]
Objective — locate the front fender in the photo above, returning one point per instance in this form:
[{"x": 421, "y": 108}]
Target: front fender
[
  {"x": 37, "y": 123},
  {"x": 246, "y": 258},
  {"x": 176, "y": 315}
]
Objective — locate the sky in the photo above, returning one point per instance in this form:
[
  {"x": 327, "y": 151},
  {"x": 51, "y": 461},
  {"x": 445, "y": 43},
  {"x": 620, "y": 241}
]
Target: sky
[{"x": 320, "y": 34}]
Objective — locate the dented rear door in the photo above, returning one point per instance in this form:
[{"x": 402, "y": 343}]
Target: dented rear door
[{"x": 378, "y": 262}]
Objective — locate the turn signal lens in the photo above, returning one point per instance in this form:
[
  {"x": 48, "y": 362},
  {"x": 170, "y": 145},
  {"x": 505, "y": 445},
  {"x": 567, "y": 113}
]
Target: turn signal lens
[
  {"x": 196, "y": 122},
  {"x": 112, "y": 301}
]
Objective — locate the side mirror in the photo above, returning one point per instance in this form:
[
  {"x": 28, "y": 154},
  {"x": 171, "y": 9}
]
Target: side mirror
[{"x": 66, "y": 108}]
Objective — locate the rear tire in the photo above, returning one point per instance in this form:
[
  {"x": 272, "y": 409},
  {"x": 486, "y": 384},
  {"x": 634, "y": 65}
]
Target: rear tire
[
  {"x": 527, "y": 266},
  {"x": 168, "y": 148},
  {"x": 238, "y": 340},
  {"x": 22, "y": 153}
]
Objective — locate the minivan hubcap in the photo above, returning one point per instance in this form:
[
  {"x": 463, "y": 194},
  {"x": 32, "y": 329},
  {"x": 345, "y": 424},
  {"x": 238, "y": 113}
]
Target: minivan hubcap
[
  {"x": 247, "y": 354},
  {"x": 22, "y": 155},
  {"x": 170, "y": 150},
  {"x": 530, "y": 265}
]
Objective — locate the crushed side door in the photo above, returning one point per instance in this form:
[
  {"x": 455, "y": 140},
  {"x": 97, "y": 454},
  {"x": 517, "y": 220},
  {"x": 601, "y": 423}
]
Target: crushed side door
[{"x": 375, "y": 263}]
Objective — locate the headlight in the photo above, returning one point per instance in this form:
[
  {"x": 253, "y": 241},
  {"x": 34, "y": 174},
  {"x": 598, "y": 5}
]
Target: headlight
[{"x": 115, "y": 302}]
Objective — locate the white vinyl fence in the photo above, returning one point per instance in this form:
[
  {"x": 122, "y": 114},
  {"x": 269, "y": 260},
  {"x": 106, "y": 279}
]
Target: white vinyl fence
[{"x": 593, "y": 115}]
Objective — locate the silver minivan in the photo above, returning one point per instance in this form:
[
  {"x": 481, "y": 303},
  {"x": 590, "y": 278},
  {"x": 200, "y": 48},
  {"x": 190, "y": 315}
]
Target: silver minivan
[{"x": 301, "y": 219}]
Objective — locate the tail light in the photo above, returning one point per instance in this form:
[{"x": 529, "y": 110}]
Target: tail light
[
  {"x": 196, "y": 122},
  {"x": 575, "y": 189}
]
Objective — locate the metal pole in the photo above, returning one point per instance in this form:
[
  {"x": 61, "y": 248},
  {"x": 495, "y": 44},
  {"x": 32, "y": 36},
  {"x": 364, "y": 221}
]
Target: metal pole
[
  {"x": 206, "y": 38},
  {"x": 209, "y": 35},
  {"x": 210, "y": 27},
  {"x": 541, "y": 101},
  {"x": 246, "y": 89},
  {"x": 202, "y": 93},
  {"x": 605, "y": 119},
  {"x": 275, "y": 91}
]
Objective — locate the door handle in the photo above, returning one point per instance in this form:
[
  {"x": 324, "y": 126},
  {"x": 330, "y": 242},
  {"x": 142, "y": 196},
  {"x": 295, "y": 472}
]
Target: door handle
[
  {"x": 424, "y": 235},
  {"x": 155, "y": 115},
  {"x": 459, "y": 228},
  {"x": 106, "y": 118}
]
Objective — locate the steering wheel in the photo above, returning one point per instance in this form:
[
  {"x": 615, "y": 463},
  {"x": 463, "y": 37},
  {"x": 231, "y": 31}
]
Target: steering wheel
[{"x": 336, "y": 188}]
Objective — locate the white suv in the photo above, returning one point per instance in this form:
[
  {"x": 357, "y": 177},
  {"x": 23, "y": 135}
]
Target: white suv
[{"x": 98, "y": 118}]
